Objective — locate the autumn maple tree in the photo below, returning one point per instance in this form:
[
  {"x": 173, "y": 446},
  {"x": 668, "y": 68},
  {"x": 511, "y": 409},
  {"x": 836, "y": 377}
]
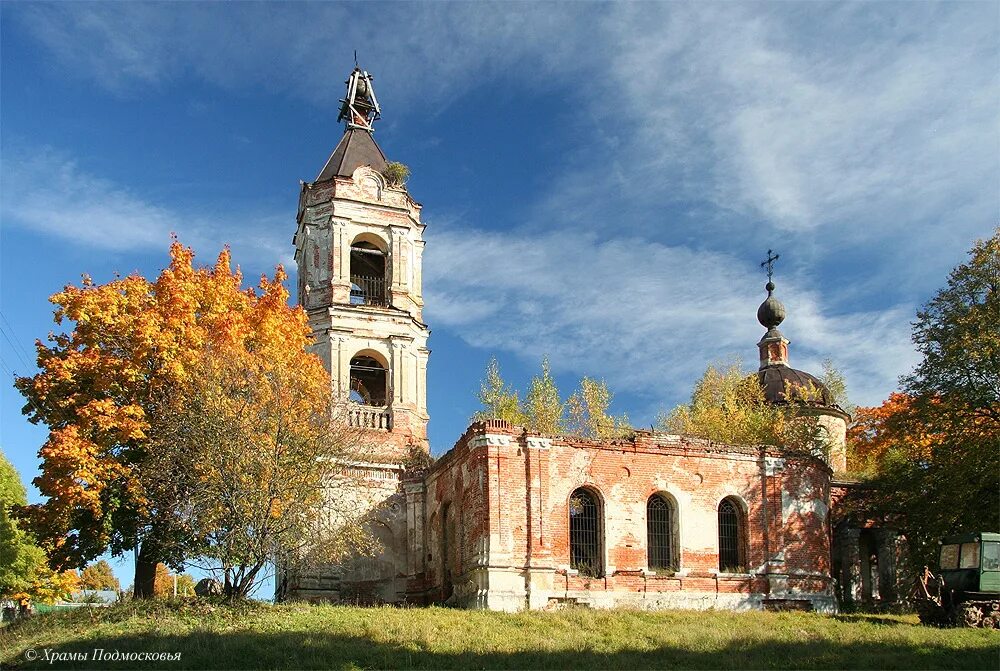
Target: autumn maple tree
[{"x": 109, "y": 386}]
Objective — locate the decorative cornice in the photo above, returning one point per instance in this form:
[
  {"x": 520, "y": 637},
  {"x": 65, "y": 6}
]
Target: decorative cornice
[
  {"x": 538, "y": 442},
  {"x": 489, "y": 439}
]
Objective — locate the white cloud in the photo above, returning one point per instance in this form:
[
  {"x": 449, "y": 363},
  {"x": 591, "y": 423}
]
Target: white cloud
[
  {"x": 865, "y": 124},
  {"x": 47, "y": 192}
]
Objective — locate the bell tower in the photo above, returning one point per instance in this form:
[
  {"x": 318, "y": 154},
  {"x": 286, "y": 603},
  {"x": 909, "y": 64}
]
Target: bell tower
[{"x": 358, "y": 248}]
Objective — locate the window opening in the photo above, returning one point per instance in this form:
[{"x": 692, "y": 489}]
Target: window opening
[
  {"x": 368, "y": 381},
  {"x": 970, "y": 555},
  {"x": 991, "y": 556},
  {"x": 949, "y": 557},
  {"x": 660, "y": 534},
  {"x": 584, "y": 539},
  {"x": 368, "y": 280},
  {"x": 730, "y": 538}
]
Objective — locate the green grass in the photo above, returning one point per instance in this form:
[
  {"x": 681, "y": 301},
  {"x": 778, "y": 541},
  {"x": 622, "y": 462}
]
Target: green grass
[{"x": 299, "y": 636}]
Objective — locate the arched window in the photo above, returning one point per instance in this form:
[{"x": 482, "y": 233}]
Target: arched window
[
  {"x": 732, "y": 532},
  {"x": 368, "y": 381},
  {"x": 584, "y": 533},
  {"x": 661, "y": 534},
  {"x": 368, "y": 277}
]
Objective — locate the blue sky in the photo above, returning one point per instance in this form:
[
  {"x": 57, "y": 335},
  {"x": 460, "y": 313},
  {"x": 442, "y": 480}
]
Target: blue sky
[{"x": 599, "y": 181}]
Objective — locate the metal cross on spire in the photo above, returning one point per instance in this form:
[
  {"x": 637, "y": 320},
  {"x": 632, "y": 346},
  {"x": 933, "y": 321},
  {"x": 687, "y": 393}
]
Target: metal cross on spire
[{"x": 771, "y": 258}]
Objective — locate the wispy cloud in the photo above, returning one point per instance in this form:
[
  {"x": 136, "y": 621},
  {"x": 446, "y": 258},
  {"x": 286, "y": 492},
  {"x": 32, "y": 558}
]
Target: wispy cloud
[
  {"x": 46, "y": 191},
  {"x": 647, "y": 317},
  {"x": 430, "y": 51},
  {"x": 858, "y": 122}
]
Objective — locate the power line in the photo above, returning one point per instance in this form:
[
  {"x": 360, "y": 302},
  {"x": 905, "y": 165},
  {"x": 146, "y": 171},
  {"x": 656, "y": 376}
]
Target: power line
[
  {"x": 13, "y": 348},
  {"x": 17, "y": 343}
]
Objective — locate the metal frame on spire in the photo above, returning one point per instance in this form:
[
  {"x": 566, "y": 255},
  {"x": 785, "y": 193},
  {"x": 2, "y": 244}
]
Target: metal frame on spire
[{"x": 360, "y": 111}]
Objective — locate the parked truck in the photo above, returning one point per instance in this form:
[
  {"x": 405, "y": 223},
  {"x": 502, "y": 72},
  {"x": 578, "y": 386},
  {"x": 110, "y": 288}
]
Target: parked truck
[{"x": 966, "y": 593}]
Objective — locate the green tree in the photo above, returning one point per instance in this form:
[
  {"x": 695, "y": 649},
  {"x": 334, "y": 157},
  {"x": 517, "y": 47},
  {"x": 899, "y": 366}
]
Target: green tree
[
  {"x": 99, "y": 576},
  {"x": 22, "y": 562},
  {"x": 543, "y": 406},
  {"x": 728, "y": 406},
  {"x": 499, "y": 400},
  {"x": 958, "y": 335},
  {"x": 938, "y": 471},
  {"x": 836, "y": 384},
  {"x": 25, "y": 575},
  {"x": 185, "y": 584},
  {"x": 587, "y": 412}
]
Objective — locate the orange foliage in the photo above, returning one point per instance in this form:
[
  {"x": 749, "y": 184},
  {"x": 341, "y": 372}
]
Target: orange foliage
[{"x": 101, "y": 386}]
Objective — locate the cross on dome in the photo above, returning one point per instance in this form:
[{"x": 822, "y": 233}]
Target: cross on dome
[{"x": 771, "y": 312}]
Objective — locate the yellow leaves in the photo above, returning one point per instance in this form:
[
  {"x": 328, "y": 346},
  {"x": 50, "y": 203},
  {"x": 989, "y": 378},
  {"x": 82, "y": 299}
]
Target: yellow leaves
[
  {"x": 728, "y": 406},
  {"x": 49, "y": 586},
  {"x": 276, "y": 508}
]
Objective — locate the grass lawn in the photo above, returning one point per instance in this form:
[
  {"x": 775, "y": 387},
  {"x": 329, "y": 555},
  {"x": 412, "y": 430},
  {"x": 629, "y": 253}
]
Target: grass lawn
[{"x": 298, "y": 636}]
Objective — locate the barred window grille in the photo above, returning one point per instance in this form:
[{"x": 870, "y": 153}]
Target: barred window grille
[
  {"x": 584, "y": 533},
  {"x": 660, "y": 534},
  {"x": 731, "y": 559}
]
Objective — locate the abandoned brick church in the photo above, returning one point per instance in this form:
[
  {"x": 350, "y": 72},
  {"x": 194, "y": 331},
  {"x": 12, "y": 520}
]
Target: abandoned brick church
[{"x": 510, "y": 520}]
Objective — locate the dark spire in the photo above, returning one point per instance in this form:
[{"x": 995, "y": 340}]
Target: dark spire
[
  {"x": 355, "y": 149},
  {"x": 773, "y": 346},
  {"x": 359, "y": 110},
  {"x": 771, "y": 312}
]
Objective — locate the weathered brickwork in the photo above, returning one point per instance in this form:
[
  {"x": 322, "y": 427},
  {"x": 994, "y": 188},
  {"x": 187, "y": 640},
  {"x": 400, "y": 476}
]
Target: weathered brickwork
[
  {"x": 497, "y": 523},
  {"x": 333, "y": 216}
]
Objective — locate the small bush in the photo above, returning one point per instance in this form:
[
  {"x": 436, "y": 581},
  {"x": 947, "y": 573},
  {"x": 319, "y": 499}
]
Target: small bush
[{"x": 396, "y": 173}]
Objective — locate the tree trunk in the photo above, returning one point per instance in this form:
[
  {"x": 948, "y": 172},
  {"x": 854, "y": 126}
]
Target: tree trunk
[{"x": 145, "y": 574}]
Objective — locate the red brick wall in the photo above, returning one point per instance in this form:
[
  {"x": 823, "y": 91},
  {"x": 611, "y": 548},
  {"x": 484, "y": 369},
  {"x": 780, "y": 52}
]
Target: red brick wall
[{"x": 511, "y": 493}]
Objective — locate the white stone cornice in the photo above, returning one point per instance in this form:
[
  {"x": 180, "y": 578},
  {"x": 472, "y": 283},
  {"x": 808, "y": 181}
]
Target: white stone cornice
[
  {"x": 540, "y": 443},
  {"x": 490, "y": 439}
]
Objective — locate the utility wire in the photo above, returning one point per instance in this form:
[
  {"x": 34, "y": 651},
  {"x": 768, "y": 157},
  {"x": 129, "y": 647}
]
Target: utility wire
[
  {"x": 13, "y": 331},
  {"x": 13, "y": 348}
]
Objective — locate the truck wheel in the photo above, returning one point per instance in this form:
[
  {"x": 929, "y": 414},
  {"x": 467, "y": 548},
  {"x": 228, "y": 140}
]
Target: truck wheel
[{"x": 969, "y": 616}]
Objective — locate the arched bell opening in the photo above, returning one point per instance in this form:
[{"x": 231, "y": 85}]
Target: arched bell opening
[
  {"x": 369, "y": 284},
  {"x": 369, "y": 381}
]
